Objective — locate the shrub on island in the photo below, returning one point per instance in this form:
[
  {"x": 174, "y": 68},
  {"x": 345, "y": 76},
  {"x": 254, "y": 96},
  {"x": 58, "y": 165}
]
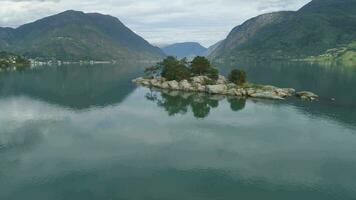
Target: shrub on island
[{"x": 237, "y": 76}]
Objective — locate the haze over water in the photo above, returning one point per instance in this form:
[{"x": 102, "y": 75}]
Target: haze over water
[{"x": 86, "y": 132}]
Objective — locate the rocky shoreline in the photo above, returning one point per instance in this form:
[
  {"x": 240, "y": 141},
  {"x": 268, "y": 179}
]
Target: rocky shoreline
[{"x": 222, "y": 87}]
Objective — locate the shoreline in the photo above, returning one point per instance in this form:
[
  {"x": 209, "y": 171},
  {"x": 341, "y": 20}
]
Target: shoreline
[{"x": 203, "y": 84}]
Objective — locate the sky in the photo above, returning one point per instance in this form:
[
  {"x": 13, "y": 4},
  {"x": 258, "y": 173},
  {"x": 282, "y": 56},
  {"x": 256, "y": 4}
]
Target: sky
[{"x": 158, "y": 21}]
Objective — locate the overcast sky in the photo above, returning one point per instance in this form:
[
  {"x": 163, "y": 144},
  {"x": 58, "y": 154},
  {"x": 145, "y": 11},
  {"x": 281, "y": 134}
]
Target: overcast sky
[{"x": 158, "y": 21}]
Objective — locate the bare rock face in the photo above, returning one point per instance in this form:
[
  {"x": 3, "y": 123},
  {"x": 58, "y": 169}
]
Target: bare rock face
[{"x": 216, "y": 89}]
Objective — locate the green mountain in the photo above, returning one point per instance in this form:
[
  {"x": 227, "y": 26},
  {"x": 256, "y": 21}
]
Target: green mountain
[
  {"x": 311, "y": 31},
  {"x": 74, "y": 35}
]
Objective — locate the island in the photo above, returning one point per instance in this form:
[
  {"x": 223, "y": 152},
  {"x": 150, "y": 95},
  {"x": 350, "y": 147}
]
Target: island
[
  {"x": 9, "y": 61},
  {"x": 200, "y": 76}
]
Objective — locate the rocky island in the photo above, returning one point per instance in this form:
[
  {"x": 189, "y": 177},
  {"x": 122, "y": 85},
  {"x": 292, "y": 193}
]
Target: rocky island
[{"x": 199, "y": 76}]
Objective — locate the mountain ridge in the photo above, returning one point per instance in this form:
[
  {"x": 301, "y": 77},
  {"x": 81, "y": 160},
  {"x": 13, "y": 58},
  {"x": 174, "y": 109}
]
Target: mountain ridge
[
  {"x": 310, "y": 31},
  {"x": 75, "y": 35},
  {"x": 185, "y": 49}
]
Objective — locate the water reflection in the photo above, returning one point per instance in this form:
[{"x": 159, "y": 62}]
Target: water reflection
[
  {"x": 74, "y": 86},
  {"x": 329, "y": 82},
  {"x": 200, "y": 104}
]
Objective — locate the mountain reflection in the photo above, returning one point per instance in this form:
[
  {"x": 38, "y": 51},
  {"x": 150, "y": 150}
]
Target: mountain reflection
[
  {"x": 77, "y": 87},
  {"x": 200, "y": 104}
]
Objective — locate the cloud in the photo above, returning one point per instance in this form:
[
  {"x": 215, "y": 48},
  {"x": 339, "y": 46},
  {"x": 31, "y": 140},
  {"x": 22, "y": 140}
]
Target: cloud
[{"x": 159, "y": 21}]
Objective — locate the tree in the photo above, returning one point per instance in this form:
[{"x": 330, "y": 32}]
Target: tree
[
  {"x": 237, "y": 76},
  {"x": 200, "y": 65},
  {"x": 213, "y": 73},
  {"x": 173, "y": 69}
]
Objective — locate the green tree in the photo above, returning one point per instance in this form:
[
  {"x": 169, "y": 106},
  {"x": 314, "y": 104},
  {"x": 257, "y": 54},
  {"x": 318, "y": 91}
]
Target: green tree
[
  {"x": 237, "y": 76},
  {"x": 173, "y": 69},
  {"x": 200, "y": 65}
]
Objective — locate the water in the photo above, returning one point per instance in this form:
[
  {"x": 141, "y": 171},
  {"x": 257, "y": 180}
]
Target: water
[{"x": 86, "y": 132}]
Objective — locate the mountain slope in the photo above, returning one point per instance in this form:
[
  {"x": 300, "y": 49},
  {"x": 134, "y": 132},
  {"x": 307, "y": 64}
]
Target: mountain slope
[
  {"x": 74, "y": 35},
  {"x": 186, "y": 49},
  {"x": 315, "y": 28}
]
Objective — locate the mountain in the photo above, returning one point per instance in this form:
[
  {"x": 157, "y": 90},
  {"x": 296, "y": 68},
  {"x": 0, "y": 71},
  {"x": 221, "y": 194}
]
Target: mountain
[
  {"x": 186, "y": 49},
  {"x": 74, "y": 35},
  {"x": 311, "y": 31},
  {"x": 212, "y": 48}
]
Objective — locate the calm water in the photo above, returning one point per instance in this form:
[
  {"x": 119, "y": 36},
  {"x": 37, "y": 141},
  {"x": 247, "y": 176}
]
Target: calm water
[{"x": 86, "y": 132}]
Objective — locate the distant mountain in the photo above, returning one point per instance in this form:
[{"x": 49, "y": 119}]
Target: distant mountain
[
  {"x": 310, "y": 31},
  {"x": 212, "y": 48},
  {"x": 74, "y": 35},
  {"x": 186, "y": 49}
]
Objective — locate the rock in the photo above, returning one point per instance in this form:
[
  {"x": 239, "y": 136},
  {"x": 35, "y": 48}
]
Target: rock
[
  {"x": 216, "y": 89},
  {"x": 305, "y": 95},
  {"x": 250, "y": 91},
  {"x": 291, "y": 91},
  {"x": 269, "y": 87},
  {"x": 232, "y": 92},
  {"x": 199, "y": 79},
  {"x": 174, "y": 85},
  {"x": 281, "y": 92},
  {"x": 185, "y": 85},
  {"x": 138, "y": 80},
  {"x": 266, "y": 95},
  {"x": 155, "y": 82},
  {"x": 160, "y": 79},
  {"x": 165, "y": 85},
  {"x": 198, "y": 87},
  {"x": 231, "y": 85},
  {"x": 221, "y": 80}
]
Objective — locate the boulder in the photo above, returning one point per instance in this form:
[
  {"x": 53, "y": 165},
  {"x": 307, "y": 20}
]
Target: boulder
[
  {"x": 138, "y": 80},
  {"x": 231, "y": 85},
  {"x": 250, "y": 91},
  {"x": 198, "y": 87},
  {"x": 174, "y": 85},
  {"x": 185, "y": 85},
  {"x": 232, "y": 92},
  {"x": 199, "y": 79},
  {"x": 221, "y": 80},
  {"x": 165, "y": 85},
  {"x": 155, "y": 83},
  {"x": 305, "y": 95},
  {"x": 216, "y": 89},
  {"x": 266, "y": 95},
  {"x": 291, "y": 91}
]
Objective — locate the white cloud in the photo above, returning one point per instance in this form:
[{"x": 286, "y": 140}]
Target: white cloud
[{"x": 159, "y": 21}]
